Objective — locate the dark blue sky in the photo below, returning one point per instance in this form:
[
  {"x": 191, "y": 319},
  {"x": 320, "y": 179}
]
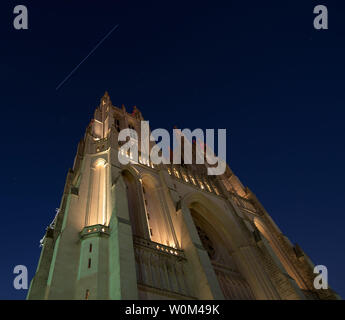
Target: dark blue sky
[{"x": 257, "y": 68}]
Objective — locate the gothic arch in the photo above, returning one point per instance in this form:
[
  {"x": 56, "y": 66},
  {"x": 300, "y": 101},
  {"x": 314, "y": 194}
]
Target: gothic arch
[
  {"x": 132, "y": 170},
  {"x": 215, "y": 232},
  {"x": 216, "y": 216},
  {"x": 98, "y": 205},
  {"x": 158, "y": 217},
  {"x": 135, "y": 202}
]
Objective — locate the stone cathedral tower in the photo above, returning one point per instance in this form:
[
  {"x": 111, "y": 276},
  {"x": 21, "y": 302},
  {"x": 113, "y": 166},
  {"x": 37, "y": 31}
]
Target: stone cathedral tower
[{"x": 162, "y": 232}]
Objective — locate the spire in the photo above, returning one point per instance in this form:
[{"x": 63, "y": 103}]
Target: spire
[
  {"x": 105, "y": 100},
  {"x": 136, "y": 113}
]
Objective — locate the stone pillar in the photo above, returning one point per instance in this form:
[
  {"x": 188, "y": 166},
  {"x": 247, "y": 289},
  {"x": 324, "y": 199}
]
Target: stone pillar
[
  {"x": 122, "y": 272},
  {"x": 198, "y": 266}
]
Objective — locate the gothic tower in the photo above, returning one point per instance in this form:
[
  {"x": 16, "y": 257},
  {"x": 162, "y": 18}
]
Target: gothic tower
[{"x": 141, "y": 231}]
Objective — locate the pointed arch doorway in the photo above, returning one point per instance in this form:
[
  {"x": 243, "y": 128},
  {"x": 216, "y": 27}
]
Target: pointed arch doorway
[{"x": 232, "y": 283}]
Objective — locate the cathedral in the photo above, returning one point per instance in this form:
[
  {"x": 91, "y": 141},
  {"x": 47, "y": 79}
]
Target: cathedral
[{"x": 146, "y": 231}]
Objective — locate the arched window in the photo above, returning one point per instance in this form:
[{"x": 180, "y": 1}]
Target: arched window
[
  {"x": 136, "y": 215},
  {"x": 160, "y": 229},
  {"x": 98, "y": 197}
]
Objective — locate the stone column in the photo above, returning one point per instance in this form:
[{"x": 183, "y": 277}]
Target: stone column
[
  {"x": 123, "y": 281},
  {"x": 198, "y": 266}
]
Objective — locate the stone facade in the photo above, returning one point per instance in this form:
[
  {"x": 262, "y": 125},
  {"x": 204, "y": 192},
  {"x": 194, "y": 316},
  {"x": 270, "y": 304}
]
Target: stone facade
[{"x": 142, "y": 231}]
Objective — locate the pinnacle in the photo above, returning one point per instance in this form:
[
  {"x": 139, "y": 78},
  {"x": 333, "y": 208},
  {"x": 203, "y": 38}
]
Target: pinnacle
[
  {"x": 105, "y": 96},
  {"x": 105, "y": 99}
]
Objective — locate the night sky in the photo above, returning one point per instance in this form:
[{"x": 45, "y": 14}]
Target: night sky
[{"x": 257, "y": 68}]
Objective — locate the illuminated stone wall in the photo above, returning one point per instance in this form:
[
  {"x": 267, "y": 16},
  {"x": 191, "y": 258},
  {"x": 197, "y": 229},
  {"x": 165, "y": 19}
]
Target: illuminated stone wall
[{"x": 142, "y": 231}]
